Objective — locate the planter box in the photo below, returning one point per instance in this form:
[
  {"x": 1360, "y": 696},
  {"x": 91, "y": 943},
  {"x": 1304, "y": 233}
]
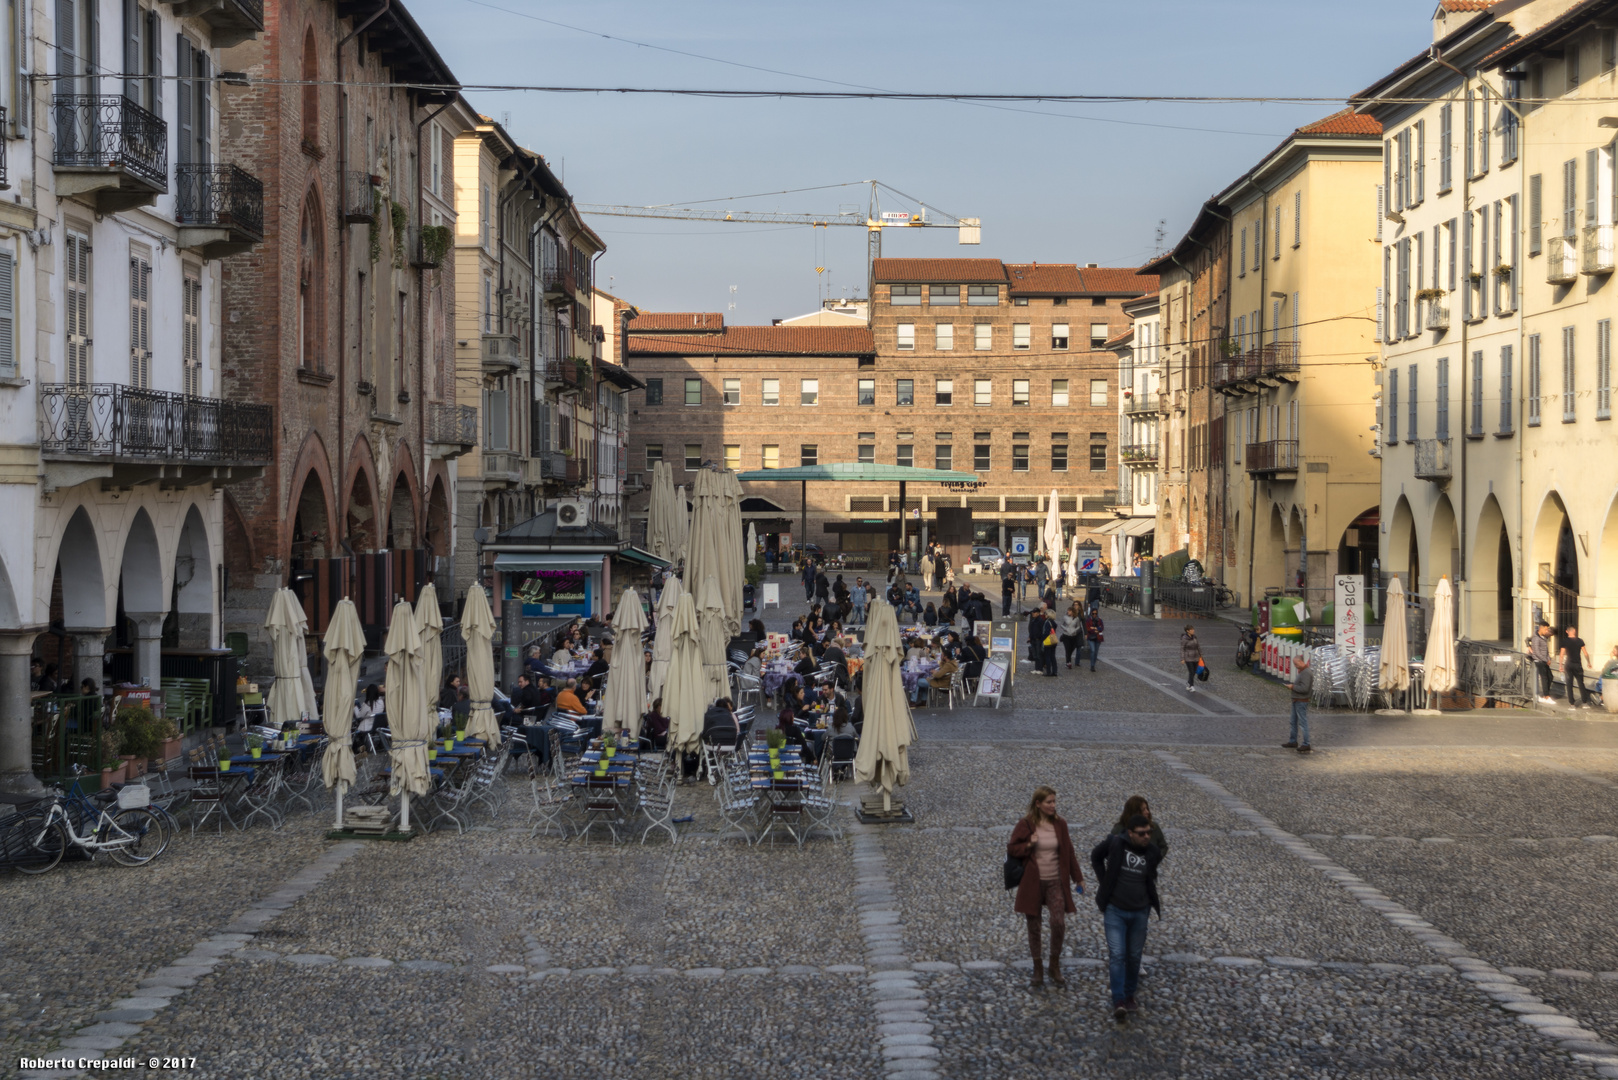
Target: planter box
[{"x": 110, "y": 777}]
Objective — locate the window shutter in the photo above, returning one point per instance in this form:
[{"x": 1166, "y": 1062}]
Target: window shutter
[
  {"x": 1412, "y": 416},
  {"x": 1387, "y": 180},
  {"x": 1533, "y": 380},
  {"x": 1592, "y": 186},
  {"x": 1466, "y": 133},
  {"x": 132, "y": 27},
  {"x": 1297, "y": 218},
  {"x": 1570, "y": 194},
  {"x": 182, "y": 102},
  {"x": 154, "y": 61},
  {"x": 1382, "y": 296},
  {"x": 1604, "y": 369},
  {"x": 1505, "y": 389},
  {"x": 1483, "y": 129},
  {"x": 1516, "y": 241},
  {"x": 1567, "y": 373},
  {"x": 1421, "y": 161},
  {"x": 1438, "y": 255},
  {"x": 1476, "y": 412},
  {"x": 202, "y": 113},
  {"x": 1466, "y": 265},
  {"x": 1297, "y": 316},
  {"x": 92, "y": 49},
  {"x": 1536, "y": 214},
  {"x": 140, "y": 327},
  {"x": 1451, "y": 254},
  {"x": 1277, "y": 232},
  {"x": 1381, "y": 209},
  {"x": 8, "y": 316},
  {"x": 66, "y": 53},
  {"x": 1446, "y": 136},
  {"x": 1392, "y": 411}
]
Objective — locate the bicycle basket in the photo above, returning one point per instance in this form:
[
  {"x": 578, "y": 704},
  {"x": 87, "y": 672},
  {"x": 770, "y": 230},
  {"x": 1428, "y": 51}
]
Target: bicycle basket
[{"x": 134, "y": 795}]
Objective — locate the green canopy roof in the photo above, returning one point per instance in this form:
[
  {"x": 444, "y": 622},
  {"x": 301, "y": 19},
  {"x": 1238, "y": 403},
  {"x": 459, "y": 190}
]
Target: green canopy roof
[{"x": 859, "y": 472}]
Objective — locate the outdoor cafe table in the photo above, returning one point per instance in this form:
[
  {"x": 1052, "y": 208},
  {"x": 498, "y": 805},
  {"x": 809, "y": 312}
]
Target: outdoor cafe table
[
  {"x": 775, "y": 674},
  {"x": 255, "y": 795},
  {"x": 783, "y": 791},
  {"x": 605, "y": 796},
  {"x": 913, "y": 671}
]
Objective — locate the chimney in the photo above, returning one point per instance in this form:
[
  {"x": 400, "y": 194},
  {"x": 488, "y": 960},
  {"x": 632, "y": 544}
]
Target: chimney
[{"x": 1091, "y": 266}]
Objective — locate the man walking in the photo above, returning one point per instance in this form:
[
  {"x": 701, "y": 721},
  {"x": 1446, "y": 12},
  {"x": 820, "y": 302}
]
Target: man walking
[
  {"x": 1303, "y": 685},
  {"x": 1574, "y": 654},
  {"x": 1008, "y": 573},
  {"x": 1125, "y": 866},
  {"x": 808, "y": 578},
  {"x": 1539, "y": 648},
  {"x": 858, "y": 598}
]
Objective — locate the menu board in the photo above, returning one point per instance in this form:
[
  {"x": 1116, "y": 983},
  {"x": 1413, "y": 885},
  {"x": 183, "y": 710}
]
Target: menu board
[{"x": 992, "y": 683}]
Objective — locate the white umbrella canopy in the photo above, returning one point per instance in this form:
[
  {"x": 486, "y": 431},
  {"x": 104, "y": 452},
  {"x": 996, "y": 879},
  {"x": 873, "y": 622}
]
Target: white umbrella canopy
[
  {"x": 1051, "y": 536},
  {"x": 1073, "y": 563},
  {"x": 663, "y": 641},
  {"x": 685, "y": 692},
  {"x": 1442, "y": 673},
  {"x": 1393, "y": 667},
  {"x": 430, "y": 625},
  {"x": 679, "y": 525},
  {"x": 286, "y": 625},
  {"x": 733, "y": 555},
  {"x": 883, "y": 760},
  {"x": 660, "y": 512},
  {"x": 714, "y": 636},
  {"x": 625, "y": 698},
  {"x": 702, "y": 546},
  {"x": 752, "y": 544},
  {"x": 407, "y": 716},
  {"x": 477, "y": 629},
  {"x": 344, "y": 646}
]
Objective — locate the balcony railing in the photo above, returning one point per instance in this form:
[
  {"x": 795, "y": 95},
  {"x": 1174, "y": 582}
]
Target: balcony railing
[
  {"x": 1137, "y": 404},
  {"x": 5, "y": 180},
  {"x": 1561, "y": 261},
  {"x": 125, "y": 423},
  {"x": 1437, "y": 316},
  {"x": 500, "y": 353},
  {"x": 109, "y": 132},
  {"x": 1598, "y": 249},
  {"x": 452, "y": 425},
  {"x": 359, "y": 198},
  {"x": 502, "y": 465},
  {"x": 569, "y": 373},
  {"x": 1433, "y": 459},
  {"x": 1275, "y": 456},
  {"x": 1275, "y": 360},
  {"x": 1140, "y": 454},
  {"x": 222, "y": 196},
  {"x": 552, "y": 464},
  {"x": 430, "y": 245},
  {"x": 557, "y": 282}
]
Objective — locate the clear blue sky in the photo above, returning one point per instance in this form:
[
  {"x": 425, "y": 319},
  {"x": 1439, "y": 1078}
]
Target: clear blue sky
[{"x": 1051, "y": 188}]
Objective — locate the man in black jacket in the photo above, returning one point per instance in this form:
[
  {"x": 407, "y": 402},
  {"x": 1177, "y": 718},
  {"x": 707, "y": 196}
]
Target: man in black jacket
[{"x": 1125, "y": 866}]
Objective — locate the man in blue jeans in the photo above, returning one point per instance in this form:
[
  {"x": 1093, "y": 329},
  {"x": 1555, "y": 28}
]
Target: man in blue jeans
[
  {"x": 1125, "y": 866},
  {"x": 1303, "y": 686}
]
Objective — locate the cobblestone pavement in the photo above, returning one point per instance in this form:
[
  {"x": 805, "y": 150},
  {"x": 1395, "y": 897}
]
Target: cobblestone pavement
[{"x": 1380, "y": 909}]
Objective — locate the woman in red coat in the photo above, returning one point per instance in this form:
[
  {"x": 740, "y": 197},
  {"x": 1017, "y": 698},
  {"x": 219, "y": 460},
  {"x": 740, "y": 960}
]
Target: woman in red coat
[{"x": 1041, "y": 841}]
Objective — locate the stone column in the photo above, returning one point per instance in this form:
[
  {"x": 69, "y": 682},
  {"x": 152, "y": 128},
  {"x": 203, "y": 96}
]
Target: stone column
[
  {"x": 89, "y": 654},
  {"x": 16, "y": 715},
  {"x": 148, "y": 646}
]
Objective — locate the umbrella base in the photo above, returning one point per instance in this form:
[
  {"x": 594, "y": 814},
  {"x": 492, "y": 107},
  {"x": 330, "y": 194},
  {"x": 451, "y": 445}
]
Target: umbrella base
[
  {"x": 871, "y": 812},
  {"x": 351, "y": 834}
]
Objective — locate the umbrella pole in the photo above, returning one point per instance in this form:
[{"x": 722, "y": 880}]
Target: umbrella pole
[
  {"x": 404, "y": 811},
  {"x": 342, "y": 786}
]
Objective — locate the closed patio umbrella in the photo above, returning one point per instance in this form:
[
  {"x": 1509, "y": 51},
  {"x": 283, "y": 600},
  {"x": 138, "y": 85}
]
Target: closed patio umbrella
[
  {"x": 1442, "y": 671},
  {"x": 679, "y": 526},
  {"x": 663, "y": 640},
  {"x": 883, "y": 760},
  {"x": 407, "y": 715},
  {"x": 477, "y": 629},
  {"x": 1073, "y": 563},
  {"x": 660, "y": 512},
  {"x": 734, "y": 556},
  {"x": 1393, "y": 666},
  {"x": 751, "y": 550},
  {"x": 430, "y": 625},
  {"x": 286, "y": 625},
  {"x": 1051, "y": 536},
  {"x": 702, "y": 553},
  {"x": 344, "y": 646},
  {"x": 685, "y": 692},
  {"x": 624, "y": 701},
  {"x": 714, "y": 636}
]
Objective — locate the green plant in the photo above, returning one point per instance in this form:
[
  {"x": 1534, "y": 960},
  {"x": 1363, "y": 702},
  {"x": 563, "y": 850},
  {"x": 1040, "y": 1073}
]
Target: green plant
[
  {"x": 167, "y": 729},
  {"x": 255, "y": 742},
  {"x": 755, "y": 573},
  {"x": 1429, "y": 294},
  {"x": 585, "y": 369},
  {"x": 401, "y": 222},
  {"x": 111, "y": 746},
  {"x": 435, "y": 242},
  {"x": 137, "y": 731},
  {"x": 376, "y": 215},
  {"x": 775, "y": 739}
]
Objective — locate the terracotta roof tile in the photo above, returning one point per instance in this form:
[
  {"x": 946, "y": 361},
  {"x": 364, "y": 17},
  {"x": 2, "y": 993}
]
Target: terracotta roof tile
[
  {"x": 762, "y": 341},
  {"x": 903, "y": 271},
  {"x": 1345, "y": 122},
  {"x": 1122, "y": 339},
  {"x": 1465, "y": 5},
  {"x": 1117, "y": 279},
  {"x": 654, "y": 322},
  {"x": 1044, "y": 279}
]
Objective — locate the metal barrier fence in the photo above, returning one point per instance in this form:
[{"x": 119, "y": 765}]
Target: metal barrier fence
[
  {"x": 66, "y": 731},
  {"x": 1122, "y": 593},
  {"x": 1179, "y": 598},
  {"x": 1489, "y": 670}
]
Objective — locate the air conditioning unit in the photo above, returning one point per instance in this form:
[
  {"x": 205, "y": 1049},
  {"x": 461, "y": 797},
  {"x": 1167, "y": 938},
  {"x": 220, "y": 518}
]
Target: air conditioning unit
[{"x": 571, "y": 514}]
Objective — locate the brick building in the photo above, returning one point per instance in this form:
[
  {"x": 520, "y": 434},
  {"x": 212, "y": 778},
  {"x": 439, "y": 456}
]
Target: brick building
[
  {"x": 342, "y": 318},
  {"x": 968, "y": 364}
]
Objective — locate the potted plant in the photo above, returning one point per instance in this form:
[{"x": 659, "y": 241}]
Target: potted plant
[
  {"x": 111, "y": 774},
  {"x": 255, "y": 745},
  {"x": 169, "y": 742},
  {"x": 1502, "y": 271},
  {"x": 138, "y": 739},
  {"x": 1429, "y": 294}
]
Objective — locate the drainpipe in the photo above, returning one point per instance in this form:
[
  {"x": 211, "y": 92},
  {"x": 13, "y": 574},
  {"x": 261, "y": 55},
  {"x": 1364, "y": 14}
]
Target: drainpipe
[
  {"x": 342, "y": 258},
  {"x": 421, "y": 312}
]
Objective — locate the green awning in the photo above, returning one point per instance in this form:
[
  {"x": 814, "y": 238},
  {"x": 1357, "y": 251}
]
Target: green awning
[
  {"x": 635, "y": 554},
  {"x": 519, "y": 561},
  {"x": 859, "y": 472}
]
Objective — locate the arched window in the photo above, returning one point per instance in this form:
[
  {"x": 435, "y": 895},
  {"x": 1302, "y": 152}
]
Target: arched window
[
  {"x": 311, "y": 92},
  {"x": 311, "y": 287}
]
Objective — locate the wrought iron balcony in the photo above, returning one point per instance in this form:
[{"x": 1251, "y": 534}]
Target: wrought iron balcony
[
  {"x": 552, "y": 464},
  {"x": 557, "y": 284},
  {"x": 360, "y": 198},
  {"x": 1561, "y": 260},
  {"x": 1275, "y": 456},
  {"x": 1140, "y": 455},
  {"x": 110, "y": 148},
  {"x": 570, "y": 374},
  {"x": 1139, "y": 404},
  {"x": 122, "y": 425},
  {"x": 1265, "y": 365},
  {"x": 220, "y": 208},
  {"x": 1433, "y": 459},
  {"x": 449, "y": 424},
  {"x": 1598, "y": 249},
  {"x": 1437, "y": 316},
  {"x": 430, "y": 245}
]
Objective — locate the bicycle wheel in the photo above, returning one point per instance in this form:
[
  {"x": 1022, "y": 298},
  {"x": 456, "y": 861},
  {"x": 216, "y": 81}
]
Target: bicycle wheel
[
  {"x": 134, "y": 837},
  {"x": 36, "y": 852}
]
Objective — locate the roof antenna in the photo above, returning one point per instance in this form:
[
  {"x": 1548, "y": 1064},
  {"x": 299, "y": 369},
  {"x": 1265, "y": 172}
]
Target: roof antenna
[{"x": 1162, "y": 233}]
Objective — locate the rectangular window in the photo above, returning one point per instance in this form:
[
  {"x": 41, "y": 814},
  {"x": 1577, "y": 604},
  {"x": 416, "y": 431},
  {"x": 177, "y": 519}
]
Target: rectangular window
[
  {"x": 982, "y": 295},
  {"x": 190, "y": 324},
  {"x": 693, "y": 457},
  {"x": 906, "y": 336},
  {"x": 982, "y": 336},
  {"x": 772, "y": 456},
  {"x": 1098, "y": 457},
  {"x": 982, "y": 392},
  {"x": 1411, "y": 414},
  {"x": 981, "y": 457},
  {"x": 1441, "y": 401},
  {"x": 1059, "y": 335},
  {"x": 1569, "y": 411},
  {"x": 1603, "y": 369},
  {"x": 1393, "y": 408},
  {"x": 905, "y": 392},
  {"x": 1019, "y": 392},
  {"x": 1573, "y": 72},
  {"x": 1059, "y": 393},
  {"x": 943, "y": 456},
  {"x": 809, "y": 454},
  {"x": 654, "y": 455},
  {"x": 1532, "y": 377},
  {"x": 1059, "y": 456},
  {"x": 771, "y": 392},
  {"x": 943, "y": 295},
  {"x": 1609, "y": 50},
  {"x": 944, "y": 337},
  {"x": 140, "y": 321},
  {"x": 1021, "y": 335},
  {"x": 1446, "y": 140},
  {"x": 693, "y": 391},
  {"x": 1505, "y": 389},
  {"x": 654, "y": 391},
  {"x": 733, "y": 457},
  {"x": 1098, "y": 335},
  {"x": 809, "y": 392},
  {"x": 867, "y": 392},
  {"x": 944, "y": 392},
  {"x": 733, "y": 391},
  {"x": 867, "y": 454},
  {"x": 1019, "y": 301},
  {"x": 905, "y": 455},
  {"x": 1476, "y": 427},
  {"x": 1098, "y": 393},
  {"x": 905, "y": 296},
  {"x": 1019, "y": 459}
]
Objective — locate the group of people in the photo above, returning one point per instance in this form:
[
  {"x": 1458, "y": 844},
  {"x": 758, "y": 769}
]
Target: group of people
[
  {"x": 1125, "y": 865},
  {"x": 1573, "y": 657},
  {"x": 1078, "y": 630}
]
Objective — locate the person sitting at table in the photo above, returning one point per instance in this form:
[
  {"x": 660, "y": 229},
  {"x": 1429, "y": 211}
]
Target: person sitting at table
[
  {"x": 370, "y": 714},
  {"x": 757, "y": 631},
  {"x": 561, "y": 658},
  {"x": 719, "y": 726},
  {"x": 974, "y": 655},
  {"x": 834, "y": 654},
  {"x": 569, "y": 701},
  {"x": 536, "y": 659},
  {"x": 754, "y": 665},
  {"x": 787, "y": 723},
  {"x": 88, "y": 688},
  {"x": 929, "y": 615},
  {"x": 806, "y": 665},
  {"x": 461, "y": 711},
  {"x": 599, "y": 665},
  {"x": 448, "y": 696},
  {"x": 654, "y": 726},
  {"x": 940, "y": 678},
  {"x": 525, "y": 700}
]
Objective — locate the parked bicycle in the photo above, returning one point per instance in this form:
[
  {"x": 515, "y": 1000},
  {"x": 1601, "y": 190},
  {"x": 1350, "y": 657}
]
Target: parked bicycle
[{"x": 130, "y": 836}]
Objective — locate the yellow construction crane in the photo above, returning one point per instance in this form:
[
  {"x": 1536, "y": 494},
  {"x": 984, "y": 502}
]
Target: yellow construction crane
[{"x": 874, "y": 220}]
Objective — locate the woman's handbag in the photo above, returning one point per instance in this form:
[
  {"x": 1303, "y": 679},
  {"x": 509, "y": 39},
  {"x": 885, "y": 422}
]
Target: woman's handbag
[
  {"x": 1202, "y": 671},
  {"x": 1050, "y": 637},
  {"x": 1013, "y": 872}
]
